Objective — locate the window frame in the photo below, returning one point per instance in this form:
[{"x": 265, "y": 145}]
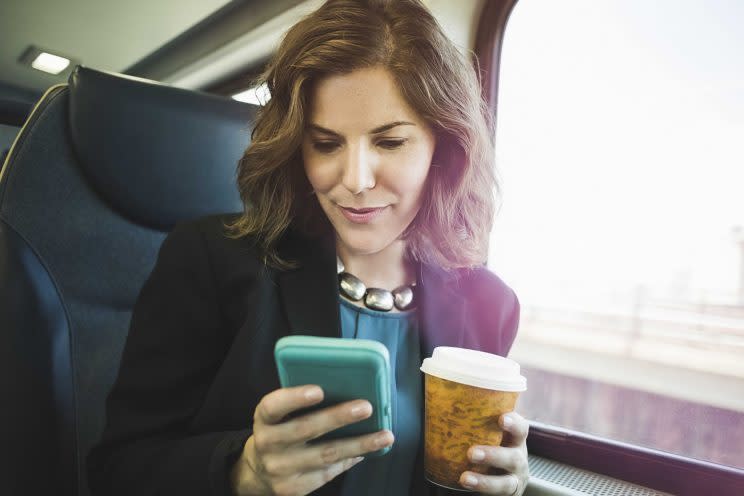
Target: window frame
[{"x": 644, "y": 466}]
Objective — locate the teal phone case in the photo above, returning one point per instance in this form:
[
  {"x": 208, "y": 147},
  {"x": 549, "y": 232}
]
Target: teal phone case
[{"x": 346, "y": 369}]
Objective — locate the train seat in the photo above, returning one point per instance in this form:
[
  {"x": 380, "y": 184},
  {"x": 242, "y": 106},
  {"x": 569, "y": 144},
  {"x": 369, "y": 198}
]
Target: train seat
[{"x": 103, "y": 167}]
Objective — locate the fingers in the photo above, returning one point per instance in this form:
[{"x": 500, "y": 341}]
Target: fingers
[
  {"x": 278, "y": 404},
  {"x": 517, "y": 428},
  {"x": 509, "y": 459},
  {"x": 311, "y": 425},
  {"x": 308, "y": 459},
  {"x": 280, "y": 458},
  {"x": 319, "y": 478},
  {"x": 309, "y": 482},
  {"x": 503, "y": 485}
]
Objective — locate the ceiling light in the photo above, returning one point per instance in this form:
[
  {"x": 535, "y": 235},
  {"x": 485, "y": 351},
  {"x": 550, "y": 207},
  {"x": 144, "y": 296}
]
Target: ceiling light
[
  {"x": 47, "y": 62},
  {"x": 258, "y": 95}
]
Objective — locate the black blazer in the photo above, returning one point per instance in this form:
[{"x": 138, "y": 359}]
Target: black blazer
[{"x": 199, "y": 355}]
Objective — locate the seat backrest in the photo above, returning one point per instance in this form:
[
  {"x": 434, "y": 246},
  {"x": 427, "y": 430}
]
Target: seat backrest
[{"x": 101, "y": 170}]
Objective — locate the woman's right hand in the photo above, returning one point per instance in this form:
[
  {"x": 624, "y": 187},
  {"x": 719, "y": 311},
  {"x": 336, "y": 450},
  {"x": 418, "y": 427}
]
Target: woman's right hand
[{"x": 277, "y": 460}]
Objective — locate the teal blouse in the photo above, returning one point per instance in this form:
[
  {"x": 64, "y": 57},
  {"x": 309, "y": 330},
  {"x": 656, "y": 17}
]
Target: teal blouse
[{"x": 390, "y": 474}]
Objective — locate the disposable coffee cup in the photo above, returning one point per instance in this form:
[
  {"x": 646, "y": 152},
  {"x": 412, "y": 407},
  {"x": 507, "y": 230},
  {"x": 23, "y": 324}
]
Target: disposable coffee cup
[{"x": 466, "y": 391}]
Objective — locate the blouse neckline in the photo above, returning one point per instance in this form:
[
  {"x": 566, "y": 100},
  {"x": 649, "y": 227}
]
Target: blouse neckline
[{"x": 407, "y": 314}]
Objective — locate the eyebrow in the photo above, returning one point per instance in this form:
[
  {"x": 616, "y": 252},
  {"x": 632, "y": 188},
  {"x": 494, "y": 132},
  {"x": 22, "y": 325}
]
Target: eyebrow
[{"x": 377, "y": 130}]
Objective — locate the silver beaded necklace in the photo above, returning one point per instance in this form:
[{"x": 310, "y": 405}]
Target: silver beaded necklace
[{"x": 378, "y": 299}]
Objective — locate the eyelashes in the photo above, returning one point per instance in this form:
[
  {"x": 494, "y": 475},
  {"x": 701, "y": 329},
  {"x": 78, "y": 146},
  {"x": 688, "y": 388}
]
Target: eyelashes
[
  {"x": 391, "y": 144},
  {"x": 327, "y": 146}
]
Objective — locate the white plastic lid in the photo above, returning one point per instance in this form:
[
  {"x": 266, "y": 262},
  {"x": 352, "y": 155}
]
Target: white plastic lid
[{"x": 475, "y": 368}]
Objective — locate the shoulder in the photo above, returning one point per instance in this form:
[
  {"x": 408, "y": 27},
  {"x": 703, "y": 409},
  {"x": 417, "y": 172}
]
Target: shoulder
[
  {"x": 205, "y": 242},
  {"x": 483, "y": 287},
  {"x": 493, "y": 309},
  {"x": 210, "y": 233},
  {"x": 204, "y": 229}
]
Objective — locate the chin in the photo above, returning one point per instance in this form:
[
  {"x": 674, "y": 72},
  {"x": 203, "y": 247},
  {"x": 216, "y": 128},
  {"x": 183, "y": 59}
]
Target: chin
[{"x": 363, "y": 244}]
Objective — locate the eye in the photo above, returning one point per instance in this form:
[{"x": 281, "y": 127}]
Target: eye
[
  {"x": 325, "y": 146},
  {"x": 391, "y": 144}
]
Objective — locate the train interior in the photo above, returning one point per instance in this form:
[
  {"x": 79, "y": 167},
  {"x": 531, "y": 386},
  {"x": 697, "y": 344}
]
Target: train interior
[{"x": 618, "y": 139}]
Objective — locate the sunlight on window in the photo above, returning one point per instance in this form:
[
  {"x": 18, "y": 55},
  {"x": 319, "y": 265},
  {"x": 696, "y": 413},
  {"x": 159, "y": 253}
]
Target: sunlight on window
[
  {"x": 258, "y": 95},
  {"x": 619, "y": 145}
]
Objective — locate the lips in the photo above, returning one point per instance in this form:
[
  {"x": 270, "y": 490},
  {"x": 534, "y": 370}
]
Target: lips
[
  {"x": 361, "y": 215},
  {"x": 362, "y": 210}
]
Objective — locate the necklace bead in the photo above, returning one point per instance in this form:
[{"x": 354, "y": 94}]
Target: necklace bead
[
  {"x": 378, "y": 299},
  {"x": 351, "y": 286},
  {"x": 403, "y": 297}
]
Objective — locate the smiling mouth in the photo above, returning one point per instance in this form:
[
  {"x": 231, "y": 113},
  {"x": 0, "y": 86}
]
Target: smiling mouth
[
  {"x": 361, "y": 210},
  {"x": 361, "y": 215}
]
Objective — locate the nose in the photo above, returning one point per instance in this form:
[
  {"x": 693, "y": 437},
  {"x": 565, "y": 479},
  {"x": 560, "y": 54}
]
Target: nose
[{"x": 358, "y": 173}]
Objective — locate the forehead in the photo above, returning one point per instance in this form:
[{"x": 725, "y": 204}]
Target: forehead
[{"x": 359, "y": 100}]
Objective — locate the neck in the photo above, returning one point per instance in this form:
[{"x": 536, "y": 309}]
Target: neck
[{"x": 386, "y": 269}]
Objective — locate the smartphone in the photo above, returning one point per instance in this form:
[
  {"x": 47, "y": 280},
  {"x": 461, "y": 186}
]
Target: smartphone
[{"x": 346, "y": 369}]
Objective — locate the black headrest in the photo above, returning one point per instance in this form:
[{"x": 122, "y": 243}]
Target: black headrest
[{"x": 156, "y": 153}]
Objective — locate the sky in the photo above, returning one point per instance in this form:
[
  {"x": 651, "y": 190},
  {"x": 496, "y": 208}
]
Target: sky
[{"x": 620, "y": 145}]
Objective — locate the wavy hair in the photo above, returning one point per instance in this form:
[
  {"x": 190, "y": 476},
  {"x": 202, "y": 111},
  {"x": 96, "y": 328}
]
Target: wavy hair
[{"x": 453, "y": 225}]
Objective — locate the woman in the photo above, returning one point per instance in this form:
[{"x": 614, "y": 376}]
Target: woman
[{"x": 374, "y": 153}]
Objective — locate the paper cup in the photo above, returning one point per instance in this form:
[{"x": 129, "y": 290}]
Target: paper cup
[{"x": 466, "y": 391}]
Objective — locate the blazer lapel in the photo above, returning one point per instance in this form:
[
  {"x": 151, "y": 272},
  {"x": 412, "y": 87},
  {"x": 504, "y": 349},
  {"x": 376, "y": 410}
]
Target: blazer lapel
[
  {"x": 442, "y": 312},
  {"x": 442, "y": 309},
  {"x": 309, "y": 293}
]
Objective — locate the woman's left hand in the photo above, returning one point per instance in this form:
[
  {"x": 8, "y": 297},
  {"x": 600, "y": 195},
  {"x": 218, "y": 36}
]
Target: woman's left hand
[{"x": 511, "y": 456}]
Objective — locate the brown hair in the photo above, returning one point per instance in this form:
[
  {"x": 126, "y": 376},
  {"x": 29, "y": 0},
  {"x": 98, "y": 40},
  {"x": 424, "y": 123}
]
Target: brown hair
[{"x": 454, "y": 223}]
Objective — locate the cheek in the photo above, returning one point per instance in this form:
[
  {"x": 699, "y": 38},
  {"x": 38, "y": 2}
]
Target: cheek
[
  {"x": 409, "y": 181},
  {"x": 319, "y": 175}
]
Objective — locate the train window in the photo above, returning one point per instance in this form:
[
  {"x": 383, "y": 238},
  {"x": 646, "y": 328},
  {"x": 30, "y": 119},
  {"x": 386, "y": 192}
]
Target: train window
[
  {"x": 622, "y": 227},
  {"x": 257, "y": 95}
]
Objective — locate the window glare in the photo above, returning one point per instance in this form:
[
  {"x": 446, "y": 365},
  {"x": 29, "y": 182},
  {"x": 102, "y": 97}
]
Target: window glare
[
  {"x": 622, "y": 228},
  {"x": 258, "y": 95}
]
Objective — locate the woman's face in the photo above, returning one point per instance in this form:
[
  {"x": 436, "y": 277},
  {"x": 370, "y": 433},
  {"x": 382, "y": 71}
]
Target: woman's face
[{"x": 366, "y": 154}]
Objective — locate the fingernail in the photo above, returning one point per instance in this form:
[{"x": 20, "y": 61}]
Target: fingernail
[
  {"x": 382, "y": 440},
  {"x": 357, "y": 460},
  {"x": 508, "y": 422},
  {"x": 470, "y": 480},
  {"x": 313, "y": 394},
  {"x": 361, "y": 410},
  {"x": 477, "y": 454}
]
